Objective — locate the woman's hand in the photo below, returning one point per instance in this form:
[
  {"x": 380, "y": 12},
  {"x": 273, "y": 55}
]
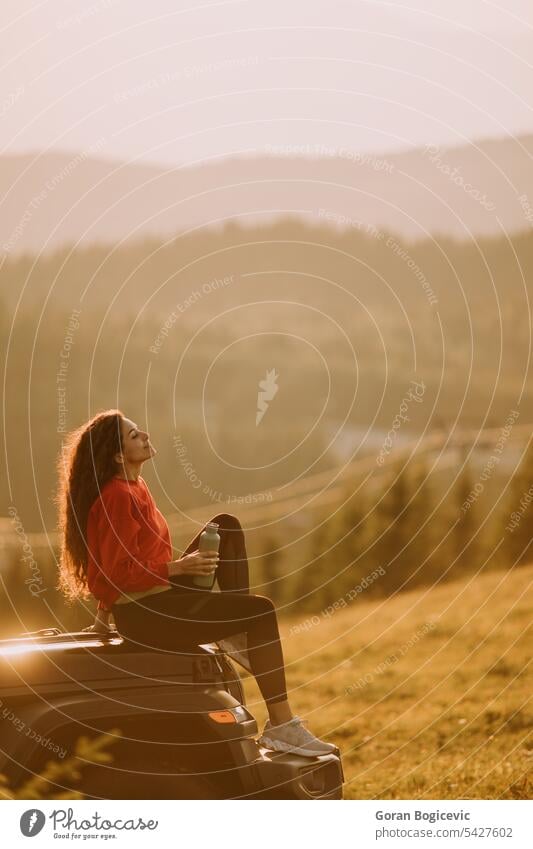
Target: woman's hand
[{"x": 195, "y": 563}]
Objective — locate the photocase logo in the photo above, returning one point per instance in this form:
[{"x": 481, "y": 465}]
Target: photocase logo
[
  {"x": 32, "y": 822},
  {"x": 267, "y": 389}
]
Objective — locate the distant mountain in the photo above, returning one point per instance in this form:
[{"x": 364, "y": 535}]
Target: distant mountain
[{"x": 483, "y": 188}]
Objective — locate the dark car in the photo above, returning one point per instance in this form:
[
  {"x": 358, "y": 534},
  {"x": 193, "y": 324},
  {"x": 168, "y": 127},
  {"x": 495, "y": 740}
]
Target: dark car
[{"x": 185, "y": 730}]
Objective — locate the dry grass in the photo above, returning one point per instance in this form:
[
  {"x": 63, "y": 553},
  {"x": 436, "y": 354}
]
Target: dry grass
[{"x": 450, "y": 717}]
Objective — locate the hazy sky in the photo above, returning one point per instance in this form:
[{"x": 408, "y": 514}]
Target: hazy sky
[{"x": 173, "y": 82}]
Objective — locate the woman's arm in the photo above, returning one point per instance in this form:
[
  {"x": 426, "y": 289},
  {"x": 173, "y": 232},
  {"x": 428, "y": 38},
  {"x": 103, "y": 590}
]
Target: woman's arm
[{"x": 113, "y": 536}]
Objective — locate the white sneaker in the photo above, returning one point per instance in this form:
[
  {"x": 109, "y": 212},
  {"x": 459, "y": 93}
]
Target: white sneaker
[{"x": 293, "y": 737}]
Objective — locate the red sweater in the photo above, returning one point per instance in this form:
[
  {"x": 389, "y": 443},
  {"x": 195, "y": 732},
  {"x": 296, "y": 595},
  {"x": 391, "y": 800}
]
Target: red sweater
[{"x": 128, "y": 541}]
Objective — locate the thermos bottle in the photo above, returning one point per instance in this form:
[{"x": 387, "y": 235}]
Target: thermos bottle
[{"x": 209, "y": 541}]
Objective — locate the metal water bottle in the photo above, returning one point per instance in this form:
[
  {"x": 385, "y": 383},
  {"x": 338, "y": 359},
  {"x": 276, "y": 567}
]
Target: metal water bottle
[{"x": 209, "y": 541}]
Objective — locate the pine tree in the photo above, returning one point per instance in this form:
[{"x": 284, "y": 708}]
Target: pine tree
[
  {"x": 392, "y": 519},
  {"x": 420, "y": 526},
  {"x": 352, "y": 541},
  {"x": 517, "y": 523},
  {"x": 311, "y": 587},
  {"x": 465, "y": 545}
]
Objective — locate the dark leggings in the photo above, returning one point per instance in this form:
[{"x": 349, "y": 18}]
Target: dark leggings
[{"x": 184, "y": 616}]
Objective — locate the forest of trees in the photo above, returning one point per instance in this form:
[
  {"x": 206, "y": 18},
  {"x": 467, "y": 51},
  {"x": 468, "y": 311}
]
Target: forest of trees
[
  {"x": 415, "y": 532},
  {"x": 344, "y": 318},
  {"x": 178, "y": 336}
]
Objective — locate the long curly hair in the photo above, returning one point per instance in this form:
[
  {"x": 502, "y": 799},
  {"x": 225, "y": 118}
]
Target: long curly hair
[{"x": 85, "y": 464}]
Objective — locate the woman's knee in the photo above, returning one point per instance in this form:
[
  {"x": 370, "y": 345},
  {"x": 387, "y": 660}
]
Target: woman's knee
[
  {"x": 263, "y": 604},
  {"x": 227, "y": 520},
  {"x": 247, "y": 605}
]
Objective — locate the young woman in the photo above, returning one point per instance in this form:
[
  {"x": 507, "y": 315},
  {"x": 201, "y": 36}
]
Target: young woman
[{"x": 115, "y": 545}]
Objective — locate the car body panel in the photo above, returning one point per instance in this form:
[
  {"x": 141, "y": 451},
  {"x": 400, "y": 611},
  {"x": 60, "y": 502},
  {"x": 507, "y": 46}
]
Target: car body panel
[{"x": 64, "y": 685}]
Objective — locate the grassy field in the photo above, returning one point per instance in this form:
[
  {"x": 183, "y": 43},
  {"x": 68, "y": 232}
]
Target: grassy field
[{"x": 427, "y": 694}]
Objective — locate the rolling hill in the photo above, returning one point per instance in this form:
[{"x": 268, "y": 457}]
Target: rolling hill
[
  {"x": 49, "y": 199},
  {"x": 427, "y": 694}
]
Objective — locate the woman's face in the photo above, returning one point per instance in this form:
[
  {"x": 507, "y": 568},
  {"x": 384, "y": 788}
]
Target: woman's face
[{"x": 136, "y": 445}]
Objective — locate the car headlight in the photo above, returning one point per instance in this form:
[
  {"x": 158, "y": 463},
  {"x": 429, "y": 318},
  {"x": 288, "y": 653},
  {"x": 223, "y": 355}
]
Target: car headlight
[{"x": 229, "y": 716}]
